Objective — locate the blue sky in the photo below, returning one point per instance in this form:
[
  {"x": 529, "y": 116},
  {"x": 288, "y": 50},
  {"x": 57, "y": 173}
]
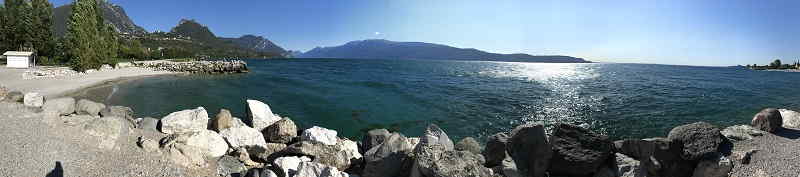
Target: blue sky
[{"x": 684, "y": 32}]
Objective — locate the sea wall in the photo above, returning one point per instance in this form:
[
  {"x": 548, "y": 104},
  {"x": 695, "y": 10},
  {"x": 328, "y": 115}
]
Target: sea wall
[
  {"x": 266, "y": 144},
  {"x": 213, "y": 67}
]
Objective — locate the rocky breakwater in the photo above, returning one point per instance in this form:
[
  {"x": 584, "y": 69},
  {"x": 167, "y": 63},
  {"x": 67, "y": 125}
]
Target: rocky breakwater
[{"x": 213, "y": 67}]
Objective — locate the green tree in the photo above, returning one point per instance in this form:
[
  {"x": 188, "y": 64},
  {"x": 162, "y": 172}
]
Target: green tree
[
  {"x": 17, "y": 25},
  {"x": 83, "y": 39},
  {"x": 775, "y": 64},
  {"x": 42, "y": 27}
]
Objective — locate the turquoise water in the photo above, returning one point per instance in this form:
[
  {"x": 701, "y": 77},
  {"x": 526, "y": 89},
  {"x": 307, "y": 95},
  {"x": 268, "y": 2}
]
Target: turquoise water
[{"x": 473, "y": 98}]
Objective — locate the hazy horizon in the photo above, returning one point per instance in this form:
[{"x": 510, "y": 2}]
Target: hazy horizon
[{"x": 710, "y": 33}]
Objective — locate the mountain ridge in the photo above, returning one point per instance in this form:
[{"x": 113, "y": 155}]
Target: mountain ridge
[
  {"x": 385, "y": 49},
  {"x": 112, "y": 13}
]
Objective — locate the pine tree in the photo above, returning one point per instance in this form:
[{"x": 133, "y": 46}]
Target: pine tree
[
  {"x": 42, "y": 27},
  {"x": 3, "y": 40},
  {"x": 82, "y": 36},
  {"x": 17, "y": 25}
]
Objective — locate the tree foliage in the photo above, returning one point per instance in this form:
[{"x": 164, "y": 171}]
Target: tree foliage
[
  {"x": 42, "y": 27},
  {"x": 90, "y": 42},
  {"x": 26, "y": 25}
]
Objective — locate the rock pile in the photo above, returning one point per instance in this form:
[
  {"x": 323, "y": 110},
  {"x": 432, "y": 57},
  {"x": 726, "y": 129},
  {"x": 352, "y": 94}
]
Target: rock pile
[{"x": 226, "y": 66}]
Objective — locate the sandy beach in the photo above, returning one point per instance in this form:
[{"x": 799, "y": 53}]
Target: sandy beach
[{"x": 52, "y": 87}]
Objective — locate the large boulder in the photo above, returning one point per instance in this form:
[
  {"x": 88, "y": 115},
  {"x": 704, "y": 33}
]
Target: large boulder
[
  {"x": 224, "y": 120},
  {"x": 243, "y": 137},
  {"x": 260, "y": 115},
  {"x": 282, "y": 131},
  {"x": 495, "y": 151},
  {"x": 61, "y": 106},
  {"x": 33, "y": 99},
  {"x": 311, "y": 169},
  {"x": 209, "y": 142},
  {"x": 468, "y": 144},
  {"x": 741, "y": 132},
  {"x": 790, "y": 118},
  {"x": 148, "y": 145},
  {"x": 530, "y": 149},
  {"x": 74, "y": 120},
  {"x": 320, "y": 135},
  {"x": 190, "y": 120},
  {"x": 436, "y": 136},
  {"x": 229, "y": 165},
  {"x": 577, "y": 151},
  {"x": 148, "y": 123},
  {"x": 108, "y": 130},
  {"x": 374, "y": 138},
  {"x": 387, "y": 158},
  {"x": 768, "y": 120},
  {"x": 14, "y": 96},
  {"x": 719, "y": 166},
  {"x": 185, "y": 155},
  {"x": 507, "y": 168},
  {"x": 288, "y": 165},
  {"x": 89, "y": 107},
  {"x": 659, "y": 157},
  {"x": 698, "y": 139},
  {"x": 340, "y": 155},
  {"x": 264, "y": 154},
  {"x": 117, "y": 111},
  {"x": 434, "y": 160},
  {"x": 626, "y": 166}
]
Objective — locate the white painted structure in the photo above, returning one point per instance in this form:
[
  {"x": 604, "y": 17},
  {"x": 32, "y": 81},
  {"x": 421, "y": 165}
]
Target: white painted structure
[{"x": 17, "y": 59}]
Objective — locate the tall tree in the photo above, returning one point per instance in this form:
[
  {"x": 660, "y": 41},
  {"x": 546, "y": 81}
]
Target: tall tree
[
  {"x": 83, "y": 39},
  {"x": 42, "y": 27},
  {"x": 17, "y": 25},
  {"x": 3, "y": 40}
]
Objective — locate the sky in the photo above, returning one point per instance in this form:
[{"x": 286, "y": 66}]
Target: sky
[{"x": 682, "y": 32}]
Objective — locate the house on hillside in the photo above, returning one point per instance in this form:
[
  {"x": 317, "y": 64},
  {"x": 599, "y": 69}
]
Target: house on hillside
[{"x": 18, "y": 59}]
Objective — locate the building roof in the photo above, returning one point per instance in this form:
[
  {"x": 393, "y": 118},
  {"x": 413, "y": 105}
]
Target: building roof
[{"x": 17, "y": 53}]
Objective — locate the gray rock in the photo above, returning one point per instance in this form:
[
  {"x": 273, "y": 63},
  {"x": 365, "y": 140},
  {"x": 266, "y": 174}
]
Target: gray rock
[
  {"x": 147, "y": 145},
  {"x": 91, "y": 108},
  {"x": 185, "y": 155},
  {"x": 282, "y": 131},
  {"x": 149, "y": 123},
  {"x": 228, "y": 165},
  {"x": 224, "y": 120},
  {"x": 713, "y": 167},
  {"x": 33, "y": 99},
  {"x": 626, "y": 166},
  {"x": 665, "y": 159},
  {"x": 311, "y": 169},
  {"x": 790, "y": 118},
  {"x": 190, "y": 120},
  {"x": 530, "y": 149},
  {"x": 341, "y": 155},
  {"x": 495, "y": 151},
  {"x": 768, "y": 120},
  {"x": 244, "y": 156},
  {"x": 118, "y": 111},
  {"x": 468, "y": 144},
  {"x": 744, "y": 157},
  {"x": 108, "y": 129},
  {"x": 238, "y": 123},
  {"x": 507, "y": 168},
  {"x": 577, "y": 151},
  {"x": 374, "y": 138},
  {"x": 243, "y": 137},
  {"x": 264, "y": 153},
  {"x": 741, "y": 133},
  {"x": 74, "y": 120},
  {"x": 14, "y": 96},
  {"x": 3, "y": 92},
  {"x": 387, "y": 158},
  {"x": 62, "y": 106},
  {"x": 209, "y": 142},
  {"x": 260, "y": 115},
  {"x": 435, "y": 136},
  {"x": 434, "y": 160},
  {"x": 698, "y": 139}
]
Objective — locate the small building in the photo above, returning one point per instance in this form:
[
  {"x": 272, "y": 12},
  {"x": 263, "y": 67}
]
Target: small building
[{"x": 17, "y": 59}]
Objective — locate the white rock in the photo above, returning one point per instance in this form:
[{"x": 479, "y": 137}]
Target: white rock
[
  {"x": 190, "y": 120},
  {"x": 290, "y": 164},
  {"x": 311, "y": 169},
  {"x": 108, "y": 130},
  {"x": 350, "y": 149},
  {"x": 790, "y": 118},
  {"x": 243, "y": 136},
  {"x": 260, "y": 115},
  {"x": 209, "y": 142},
  {"x": 321, "y": 135},
  {"x": 33, "y": 99}
]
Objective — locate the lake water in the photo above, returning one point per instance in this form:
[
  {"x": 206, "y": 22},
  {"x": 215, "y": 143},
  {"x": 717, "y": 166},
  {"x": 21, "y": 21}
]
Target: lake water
[{"x": 468, "y": 98}]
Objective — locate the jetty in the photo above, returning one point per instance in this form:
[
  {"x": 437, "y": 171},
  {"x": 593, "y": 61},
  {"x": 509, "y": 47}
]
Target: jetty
[{"x": 211, "y": 67}]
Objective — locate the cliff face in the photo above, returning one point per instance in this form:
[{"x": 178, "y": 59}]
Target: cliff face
[
  {"x": 384, "y": 49},
  {"x": 257, "y": 43},
  {"x": 112, "y": 13}
]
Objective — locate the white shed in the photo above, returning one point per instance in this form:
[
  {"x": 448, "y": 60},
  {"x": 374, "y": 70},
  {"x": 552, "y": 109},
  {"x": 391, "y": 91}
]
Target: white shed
[{"x": 17, "y": 59}]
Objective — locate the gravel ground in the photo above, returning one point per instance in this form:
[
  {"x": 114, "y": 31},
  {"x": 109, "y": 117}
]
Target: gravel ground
[
  {"x": 778, "y": 155},
  {"x": 33, "y": 146}
]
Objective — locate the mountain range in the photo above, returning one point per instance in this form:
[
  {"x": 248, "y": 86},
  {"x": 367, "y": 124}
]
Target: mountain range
[
  {"x": 112, "y": 13},
  {"x": 385, "y": 49}
]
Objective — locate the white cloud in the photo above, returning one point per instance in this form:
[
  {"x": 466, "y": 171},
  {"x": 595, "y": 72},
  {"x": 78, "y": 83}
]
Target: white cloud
[{"x": 378, "y": 33}]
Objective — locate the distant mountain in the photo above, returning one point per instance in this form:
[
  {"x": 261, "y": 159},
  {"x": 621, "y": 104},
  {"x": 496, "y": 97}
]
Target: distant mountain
[
  {"x": 194, "y": 31},
  {"x": 112, "y": 13},
  {"x": 384, "y": 49},
  {"x": 256, "y": 43}
]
